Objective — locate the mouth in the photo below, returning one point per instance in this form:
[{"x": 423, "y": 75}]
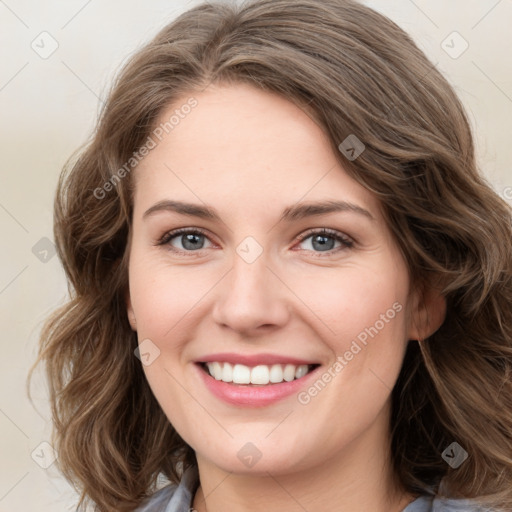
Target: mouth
[
  {"x": 254, "y": 380},
  {"x": 257, "y": 375}
]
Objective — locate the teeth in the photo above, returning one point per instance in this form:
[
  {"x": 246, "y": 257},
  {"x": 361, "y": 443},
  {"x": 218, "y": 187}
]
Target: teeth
[
  {"x": 276, "y": 373},
  {"x": 261, "y": 374},
  {"x": 227, "y": 373},
  {"x": 301, "y": 371},
  {"x": 241, "y": 374},
  {"x": 289, "y": 372},
  {"x": 216, "y": 370}
]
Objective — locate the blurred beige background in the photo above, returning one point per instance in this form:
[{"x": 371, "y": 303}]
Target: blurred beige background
[{"x": 57, "y": 61}]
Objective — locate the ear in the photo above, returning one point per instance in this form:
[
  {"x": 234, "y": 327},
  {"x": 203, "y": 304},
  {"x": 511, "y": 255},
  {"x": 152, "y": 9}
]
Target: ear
[
  {"x": 427, "y": 314},
  {"x": 129, "y": 310}
]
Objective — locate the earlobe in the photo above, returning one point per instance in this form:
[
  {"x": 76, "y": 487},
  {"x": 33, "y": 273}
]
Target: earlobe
[
  {"x": 129, "y": 310},
  {"x": 427, "y": 315}
]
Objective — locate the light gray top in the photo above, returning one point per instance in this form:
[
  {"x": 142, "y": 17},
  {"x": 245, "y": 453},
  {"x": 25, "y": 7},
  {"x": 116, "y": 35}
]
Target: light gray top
[{"x": 178, "y": 498}]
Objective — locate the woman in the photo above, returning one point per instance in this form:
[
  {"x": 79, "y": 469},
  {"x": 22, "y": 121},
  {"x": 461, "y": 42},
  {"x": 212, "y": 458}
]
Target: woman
[{"x": 291, "y": 285}]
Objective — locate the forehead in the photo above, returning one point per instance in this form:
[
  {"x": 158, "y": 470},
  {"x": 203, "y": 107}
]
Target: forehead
[{"x": 242, "y": 144}]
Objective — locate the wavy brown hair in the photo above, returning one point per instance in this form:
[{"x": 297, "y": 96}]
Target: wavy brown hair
[{"x": 356, "y": 72}]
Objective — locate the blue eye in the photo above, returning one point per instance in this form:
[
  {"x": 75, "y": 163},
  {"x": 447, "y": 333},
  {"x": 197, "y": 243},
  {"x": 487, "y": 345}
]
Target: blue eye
[
  {"x": 187, "y": 240},
  {"x": 190, "y": 239},
  {"x": 325, "y": 240}
]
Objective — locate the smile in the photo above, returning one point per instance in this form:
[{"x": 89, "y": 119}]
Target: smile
[
  {"x": 261, "y": 374},
  {"x": 257, "y": 380}
]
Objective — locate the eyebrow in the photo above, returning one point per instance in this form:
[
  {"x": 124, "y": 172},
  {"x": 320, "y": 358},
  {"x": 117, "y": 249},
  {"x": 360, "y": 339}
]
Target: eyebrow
[{"x": 291, "y": 213}]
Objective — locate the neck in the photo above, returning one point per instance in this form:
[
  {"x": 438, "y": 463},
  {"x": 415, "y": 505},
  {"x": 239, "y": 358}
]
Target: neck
[{"x": 357, "y": 478}]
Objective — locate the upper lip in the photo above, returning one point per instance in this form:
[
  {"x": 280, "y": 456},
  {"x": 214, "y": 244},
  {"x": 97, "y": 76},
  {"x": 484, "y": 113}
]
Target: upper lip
[{"x": 253, "y": 359}]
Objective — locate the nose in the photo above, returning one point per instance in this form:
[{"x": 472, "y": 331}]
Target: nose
[{"x": 251, "y": 299}]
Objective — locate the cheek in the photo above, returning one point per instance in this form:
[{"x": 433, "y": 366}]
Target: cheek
[
  {"x": 349, "y": 300},
  {"x": 164, "y": 300},
  {"x": 362, "y": 315},
  {"x": 164, "y": 296}
]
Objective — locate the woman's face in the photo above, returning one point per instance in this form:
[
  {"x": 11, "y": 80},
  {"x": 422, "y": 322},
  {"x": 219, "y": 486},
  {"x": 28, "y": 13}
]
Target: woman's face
[{"x": 253, "y": 287}]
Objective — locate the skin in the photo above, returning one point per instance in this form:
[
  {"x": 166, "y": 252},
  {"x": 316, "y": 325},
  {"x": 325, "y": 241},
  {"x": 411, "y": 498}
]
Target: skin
[{"x": 250, "y": 154}]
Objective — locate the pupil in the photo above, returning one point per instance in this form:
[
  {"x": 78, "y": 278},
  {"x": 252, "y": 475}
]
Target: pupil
[
  {"x": 323, "y": 242},
  {"x": 191, "y": 239}
]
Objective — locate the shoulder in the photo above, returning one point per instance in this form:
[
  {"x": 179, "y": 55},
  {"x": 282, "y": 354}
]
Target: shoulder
[
  {"x": 436, "y": 504},
  {"x": 173, "y": 498},
  {"x": 159, "y": 500},
  {"x": 447, "y": 505}
]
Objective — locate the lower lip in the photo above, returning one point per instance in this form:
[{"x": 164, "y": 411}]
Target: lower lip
[{"x": 253, "y": 395}]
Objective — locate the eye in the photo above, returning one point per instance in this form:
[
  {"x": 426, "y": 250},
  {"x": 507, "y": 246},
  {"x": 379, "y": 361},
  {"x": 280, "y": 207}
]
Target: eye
[
  {"x": 188, "y": 240},
  {"x": 325, "y": 241},
  {"x": 184, "y": 240}
]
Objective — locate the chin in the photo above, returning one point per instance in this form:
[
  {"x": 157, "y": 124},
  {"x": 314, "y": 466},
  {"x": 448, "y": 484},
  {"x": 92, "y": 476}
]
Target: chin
[{"x": 258, "y": 458}]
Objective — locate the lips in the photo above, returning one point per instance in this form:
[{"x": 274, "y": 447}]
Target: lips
[
  {"x": 253, "y": 360},
  {"x": 257, "y": 380}
]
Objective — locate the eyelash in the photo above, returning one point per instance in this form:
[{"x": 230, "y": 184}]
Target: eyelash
[{"x": 346, "y": 242}]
